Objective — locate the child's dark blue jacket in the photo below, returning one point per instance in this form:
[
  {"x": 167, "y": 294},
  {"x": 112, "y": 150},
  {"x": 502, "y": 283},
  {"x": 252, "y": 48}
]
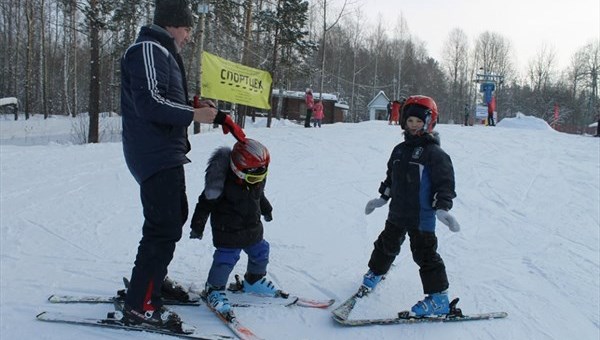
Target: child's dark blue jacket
[{"x": 420, "y": 180}]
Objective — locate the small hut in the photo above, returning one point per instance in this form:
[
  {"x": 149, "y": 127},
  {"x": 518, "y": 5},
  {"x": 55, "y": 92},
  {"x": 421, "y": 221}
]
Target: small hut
[{"x": 378, "y": 107}]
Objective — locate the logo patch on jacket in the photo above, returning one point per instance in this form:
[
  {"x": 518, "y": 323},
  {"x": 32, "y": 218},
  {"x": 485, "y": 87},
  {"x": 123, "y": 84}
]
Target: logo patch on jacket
[{"x": 417, "y": 152}]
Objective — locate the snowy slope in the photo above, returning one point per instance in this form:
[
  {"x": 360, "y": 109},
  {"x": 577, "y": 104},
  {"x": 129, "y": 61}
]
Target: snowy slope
[{"x": 528, "y": 202}]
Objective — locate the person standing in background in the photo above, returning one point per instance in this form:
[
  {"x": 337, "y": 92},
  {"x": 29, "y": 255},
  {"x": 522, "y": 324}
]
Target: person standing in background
[
  {"x": 319, "y": 114},
  {"x": 308, "y": 98},
  {"x": 395, "y": 116}
]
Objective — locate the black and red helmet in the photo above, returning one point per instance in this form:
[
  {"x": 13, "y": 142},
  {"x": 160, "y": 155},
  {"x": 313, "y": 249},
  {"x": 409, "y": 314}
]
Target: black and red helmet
[
  {"x": 250, "y": 161},
  {"x": 422, "y": 107}
]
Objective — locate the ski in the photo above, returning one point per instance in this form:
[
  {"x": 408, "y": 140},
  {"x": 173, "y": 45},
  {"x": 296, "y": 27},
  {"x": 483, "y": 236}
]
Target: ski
[
  {"x": 241, "y": 298},
  {"x": 404, "y": 317},
  {"x": 414, "y": 320},
  {"x": 231, "y": 321},
  {"x": 304, "y": 302},
  {"x": 280, "y": 297},
  {"x": 238, "y": 299},
  {"x": 96, "y": 299},
  {"x": 343, "y": 310},
  {"x": 114, "y": 323}
]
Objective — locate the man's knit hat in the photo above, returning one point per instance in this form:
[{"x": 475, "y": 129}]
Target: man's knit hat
[{"x": 175, "y": 13}]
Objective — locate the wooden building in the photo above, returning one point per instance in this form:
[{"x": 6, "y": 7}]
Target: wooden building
[{"x": 292, "y": 106}]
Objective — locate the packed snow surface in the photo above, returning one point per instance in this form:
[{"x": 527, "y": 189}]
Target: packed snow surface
[{"x": 528, "y": 203}]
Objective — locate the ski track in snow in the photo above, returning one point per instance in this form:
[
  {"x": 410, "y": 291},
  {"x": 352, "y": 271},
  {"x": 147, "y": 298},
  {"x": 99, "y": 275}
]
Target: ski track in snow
[{"x": 528, "y": 202}]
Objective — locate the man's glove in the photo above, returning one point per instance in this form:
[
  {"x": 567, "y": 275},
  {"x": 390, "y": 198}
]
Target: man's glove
[
  {"x": 449, "y": 220},
  {"x": 374, "y": 203},
  {"x": 228, "y": 125},
  {"x": 268, "y": 217}
]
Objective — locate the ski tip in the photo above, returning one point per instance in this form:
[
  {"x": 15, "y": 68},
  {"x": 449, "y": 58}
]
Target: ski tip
[
  {"x": 126, "y": 282},
  {"x": 338, "y": 319},
  {"x": 40, "y": 315},
  {"x": 338, "y": 316},
  {"x": 311, "y": 303},
  {"x": 499, "y": 315},
  {"x": 327, "y": 304}
]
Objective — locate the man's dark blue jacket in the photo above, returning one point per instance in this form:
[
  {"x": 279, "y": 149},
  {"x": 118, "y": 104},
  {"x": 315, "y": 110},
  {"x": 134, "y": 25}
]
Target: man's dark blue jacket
[{"x": 154, "y": 104}]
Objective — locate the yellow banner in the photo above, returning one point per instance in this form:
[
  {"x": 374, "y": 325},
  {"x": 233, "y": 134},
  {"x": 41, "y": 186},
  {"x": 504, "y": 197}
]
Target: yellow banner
[{"x": 235, "y": 83}]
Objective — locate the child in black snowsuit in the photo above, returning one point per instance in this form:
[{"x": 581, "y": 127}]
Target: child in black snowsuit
[
  {"x": 420, "y": 184},
  {"x": 235, "y": 200}
]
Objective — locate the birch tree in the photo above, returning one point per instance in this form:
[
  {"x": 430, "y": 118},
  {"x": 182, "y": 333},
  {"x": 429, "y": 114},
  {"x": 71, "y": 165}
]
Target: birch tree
[
  {"x": 326, "y": 26},
  {"x": 541, "y": 68},
  {"x": 356, "y": 31},
  {"x": 401, "y": 36},
  {"x": 455, "y": 56}
]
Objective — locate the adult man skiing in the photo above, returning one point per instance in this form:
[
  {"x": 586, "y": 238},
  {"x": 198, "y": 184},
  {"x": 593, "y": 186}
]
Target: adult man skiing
[{"x": 156, "y": 115}]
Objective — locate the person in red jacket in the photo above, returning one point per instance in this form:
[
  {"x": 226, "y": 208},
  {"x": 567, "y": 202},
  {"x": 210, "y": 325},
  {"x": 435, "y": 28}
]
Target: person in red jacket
[
  {"x": 395, "y": 116},
  {"x": 318, "y": 114},
  {"x": 308, "y": 98}
]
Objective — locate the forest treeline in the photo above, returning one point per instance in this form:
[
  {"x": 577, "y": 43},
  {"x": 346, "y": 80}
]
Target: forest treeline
[{"x": 61, "y": 57}]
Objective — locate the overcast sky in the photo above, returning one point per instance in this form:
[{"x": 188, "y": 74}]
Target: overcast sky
[{"x": 565, "y": 25}]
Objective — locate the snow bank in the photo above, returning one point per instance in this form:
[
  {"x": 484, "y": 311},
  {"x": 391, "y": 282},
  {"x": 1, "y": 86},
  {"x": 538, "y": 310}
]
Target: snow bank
[{"x": 522, "y": 121}]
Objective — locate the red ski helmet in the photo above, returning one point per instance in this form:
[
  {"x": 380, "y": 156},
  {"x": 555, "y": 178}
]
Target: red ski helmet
[
  {"x": 422, "y": 107},
  {"x": 250, "y": 161}
]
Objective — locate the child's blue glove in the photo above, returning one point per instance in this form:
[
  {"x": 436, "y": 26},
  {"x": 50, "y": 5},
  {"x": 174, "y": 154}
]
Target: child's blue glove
[
  {"x": 374, "y": 203},
  {"x": 448, "y": 220},
  {"x": 268, "y": 217}
]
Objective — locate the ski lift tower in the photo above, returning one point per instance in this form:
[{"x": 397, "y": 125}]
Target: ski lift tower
[{"x": 488, "y": 81}]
